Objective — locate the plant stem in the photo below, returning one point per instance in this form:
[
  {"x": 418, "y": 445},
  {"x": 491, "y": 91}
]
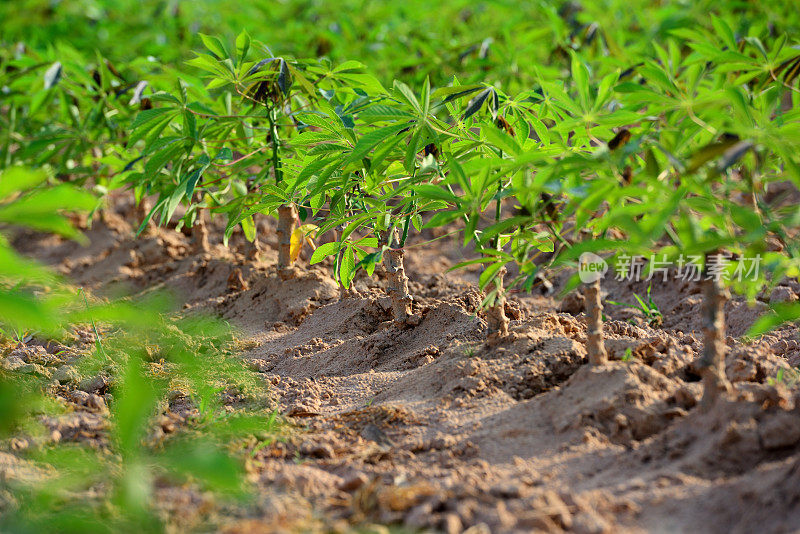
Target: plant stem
[
  {"x": 712, "y": 361},
  {"x": 276, "y": 162},
  {"x": 497, "y": 208},
  {"x": 286, "y": 213},
  {"x": 286, "y": 220},
  {"x": 253, "y": 249},
  {"x": 595, "y": 347},
  {"x": 398, "y": 281},
  {"x": 406, "y": 224},
  {"x": 199, "y": 230},
  {"x": 496, "y": 313}
]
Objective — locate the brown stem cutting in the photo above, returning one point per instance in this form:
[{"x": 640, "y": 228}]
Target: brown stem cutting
[
  {"x": 496, "y": 313},
  {"x": 199, "y": 230},
  {"x": 398, "y": 281},
  {"x": 712, "y": 362},
  {"x": 287, "y": 215},
  {"x": 595, "y": 347}
]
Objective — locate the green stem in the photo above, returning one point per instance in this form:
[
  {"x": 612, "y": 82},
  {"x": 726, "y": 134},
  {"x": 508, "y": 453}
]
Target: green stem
[
  {"x": 337, "y": 268},
  {"x": 276, "y": 164},
  {"x": 12, "y": 124},
  {"x": 497, "y": 209},
  {"x": 405, "y": 229}
]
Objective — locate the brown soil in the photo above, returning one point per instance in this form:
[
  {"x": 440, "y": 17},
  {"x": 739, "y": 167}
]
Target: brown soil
[{"x": 430, "y": 427}]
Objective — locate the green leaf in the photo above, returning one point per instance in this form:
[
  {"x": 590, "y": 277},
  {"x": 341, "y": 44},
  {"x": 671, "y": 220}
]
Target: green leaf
[
  {"x": 501, "y": 227},
  {"x": 435, "y": 193},
  {"x": 17, "y": 179},
  {"x": 368, "y": 141},
  {"x": 284, "y": 78},
  {"x": 382, "y": 112},
  {"x": 580, "y": 77},
  {"x": 780, "y": 314},
  {"x": 349, "y": 65},
  {"x": 214, "y": 45},
  {"x": 323, "y": 251},
  {"x": 404, "y": 93},
  {"x": 242, "y": 46},
  {"x": 135, "y": 404},
  {"x": 489, "y": 274},
  {"x": 143, "y": 117},
  {"x": 347, "y": 268},
  {"x": 442, "y": 218},
  {"x": 53, "y": 75},
  {"x": 476, "y": 103}
]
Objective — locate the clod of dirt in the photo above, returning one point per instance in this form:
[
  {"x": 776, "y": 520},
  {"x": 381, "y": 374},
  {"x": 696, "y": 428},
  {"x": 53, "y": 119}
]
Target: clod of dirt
[
  {"x": 573, "y": 303},
  {"x": 353, "y": 482},
  {"x": 66, "y": 374},
  {"x": 236, "y": 281}
]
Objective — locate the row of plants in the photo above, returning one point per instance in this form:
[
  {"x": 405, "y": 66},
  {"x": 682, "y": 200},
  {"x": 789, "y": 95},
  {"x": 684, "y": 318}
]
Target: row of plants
[
  {"x": 496, "y": 41},
  {"x": 673, "y": 154}
]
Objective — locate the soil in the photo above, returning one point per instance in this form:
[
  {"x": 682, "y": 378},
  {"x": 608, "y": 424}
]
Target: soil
[{"x": 430, "y": 427}]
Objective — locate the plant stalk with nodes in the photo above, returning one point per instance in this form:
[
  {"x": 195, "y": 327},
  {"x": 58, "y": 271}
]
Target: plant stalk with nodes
[
  {"x": 711, "y": 364},
  {"x": 397, "y": 286},
  {"x": 199, "y": 228},
  {"x": 287, "y": 215},
  {"x": 595, "y": 346}
]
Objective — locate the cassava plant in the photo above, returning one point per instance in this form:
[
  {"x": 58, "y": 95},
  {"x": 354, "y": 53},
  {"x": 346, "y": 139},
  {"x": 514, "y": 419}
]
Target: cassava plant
[
  {"x": 227, "y": 145},
  {"x": 375, "y": 175}
]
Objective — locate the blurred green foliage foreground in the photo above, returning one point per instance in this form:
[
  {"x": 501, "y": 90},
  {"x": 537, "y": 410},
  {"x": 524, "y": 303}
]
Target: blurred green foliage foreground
[{"x": 145, "y": 356}]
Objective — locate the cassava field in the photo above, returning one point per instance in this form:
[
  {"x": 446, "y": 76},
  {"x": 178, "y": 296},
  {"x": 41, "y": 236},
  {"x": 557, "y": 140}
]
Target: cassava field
[{"x": 470, "y": 266}]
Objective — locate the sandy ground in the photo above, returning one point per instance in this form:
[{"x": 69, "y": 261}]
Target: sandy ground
[{"x": 430, "y": 428}]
